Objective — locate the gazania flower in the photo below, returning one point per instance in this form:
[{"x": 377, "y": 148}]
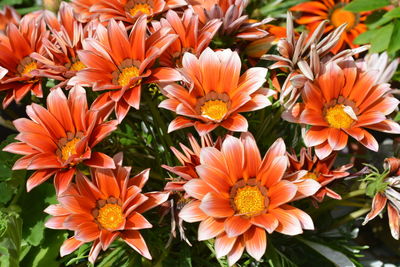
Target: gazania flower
[
  {"x": 387, "y": 192},
  {"x": 230, "y": 12},
  {"x": 108, "y": 206},
  {"x": 59, "y": 51},
  {"x": 122, "y": 63},
  {"x": 344, "y": 101},
  {"x": 315, "y": 12},
  {"x": 239, "y": 196},
  {"x": 381, "y": 64},
  {"x": 318, "y": 170},
  {"x": 16, "y": 78},
  {"x": 192, "y": 37},
  {"x": 58, "y": 138},
  {"x": 189, "y": 159},
  {"x": 130, "y": 10},
  {"x": 82, "y": 10},
  {"x": 217, "y": 93},
  {"x": 8, "y": 15}
]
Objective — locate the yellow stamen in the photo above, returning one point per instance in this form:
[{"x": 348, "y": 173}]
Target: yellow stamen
[
  {"x": 127, "y": 74},
  {"x": 214, "y": 109},
  {"x": 340, "y": 16},
  {"x": 249, "y": 201},
  {"x": 310, "y": 175},
  {"x": 337, "y": 117},
  {"x": 69, "y": 149},
  {"x": 110, "y": 216},
  {"x": 77, "y": 66},
  {"x": 143, "y": 8},
  {"x": 28, "y": 68}
]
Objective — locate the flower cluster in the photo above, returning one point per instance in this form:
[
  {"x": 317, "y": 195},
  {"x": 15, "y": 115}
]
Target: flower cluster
[{"x": 205, "y": 59}]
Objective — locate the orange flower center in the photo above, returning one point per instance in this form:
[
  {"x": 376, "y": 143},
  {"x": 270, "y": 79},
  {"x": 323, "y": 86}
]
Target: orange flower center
[
  {"x": 127, "y": 74},
  {"x": 28, "y": 68},
  {"x": 77, "y": 66},
  {"x": 214, "y": 109},
  {"x": 340, "y": 16},
  {"x": 110, "y": 216},
  {"x": 249, "y": 201},
  {"x": 69, "y": 148},
  {"x": 310, "y": 175},
  {"x": 140, "y": 7},
  {"x": 337, "y": 117}
]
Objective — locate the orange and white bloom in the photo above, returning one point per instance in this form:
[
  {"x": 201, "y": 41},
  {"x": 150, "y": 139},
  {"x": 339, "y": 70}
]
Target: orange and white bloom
[
  {"x": 314, "y": 12},
  {"x": 344, "y": 101},
  {"x": 239, "y": 196},
  {"x": 54, "y": 140},
  {"x": 192, "y": 36},
  {"x": 59, "y": 51},
  {"x": 16, "y": 64},
  {"x": 319, "y": 170},
  {"x": 120, "y": 63},
  {"x": 108, "y": 206},
  {"x": 216, "y": 93},
  {"x": 130, "y": 10},
  {"x": 390, "y": 195},
  {"x": 8, "y": 15}
]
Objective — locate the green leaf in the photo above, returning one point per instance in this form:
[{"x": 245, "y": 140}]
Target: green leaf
[
  {"x": 365, "y": 5},
  {"x": 11, "y": 242},
  {"x": 6, "y": 193},
  {"x": 334, "y": 256},
  {"x": 394, "y": 44},
  {"x": 381, "y": 40}
]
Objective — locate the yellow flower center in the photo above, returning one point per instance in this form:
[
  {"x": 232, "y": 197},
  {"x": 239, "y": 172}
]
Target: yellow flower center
[
  {"x": 143, "y": 8},
  {"x": 77, "y": 66},
  {"x": 249, "y": 201},
  {"x": 340, "y": 16},
  {"x": 310, "y": 175},
  {"x": 28, "y": 68},
  {"x": 110, "y": 216},
  {"x": 214, "y": 109},
  {"x": 127, "y": 74},
  {"x": 69, "y": 148},
  {"x": 337, "y": 117}
]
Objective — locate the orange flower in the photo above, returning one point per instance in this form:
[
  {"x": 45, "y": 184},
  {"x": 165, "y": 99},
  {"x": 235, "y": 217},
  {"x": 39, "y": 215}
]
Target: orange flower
[
  {"x": 130, "y": 10},
  {"x": 56, "y": 139},
  {"x": 333, "y": 11},
  {"x": 230, "y": 12},
  {"x": 217, "y": 92},
  {"x": 189, "y": 159},
  {"x": 344, "y": 101},
  {"x": 59, "y": 51},
  {"x": 8, "y": 15},
  {"x": 239, "y": 196},
  {"x": 389, "y": 195},
  {"x": 82, "y": 10},
  {"x": 16, "y": 65},
  {"x": 319, "y": 170},
  {"x": 105, "y": 208},
  {"x": 122, "y": 63},
  {"x": 192, "y": 37}
]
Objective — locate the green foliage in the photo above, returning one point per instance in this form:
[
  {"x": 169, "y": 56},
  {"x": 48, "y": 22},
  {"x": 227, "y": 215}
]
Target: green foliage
[
  {"x": 363, "y": 5},
  {"x": 383, "y": 33}
]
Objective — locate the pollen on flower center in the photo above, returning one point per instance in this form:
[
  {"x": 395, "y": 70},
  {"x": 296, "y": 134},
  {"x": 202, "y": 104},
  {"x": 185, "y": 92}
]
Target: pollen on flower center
[
  {"x": 214, "y": 109},
  {"x": 310, "y": 175},
  {"x": 77, "y": 66},
  {"x": 249, "y": 200},
  {"x": 69, "y": 148},
  {"x": 140, "y": 7},
  {"x": 28, "y": 68},
  {"x": 127, "y": 74},
  {"x": 110, "y": 216},
  {"x": 340, "y": 16},
  {"x": 337, "y": 117}
]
